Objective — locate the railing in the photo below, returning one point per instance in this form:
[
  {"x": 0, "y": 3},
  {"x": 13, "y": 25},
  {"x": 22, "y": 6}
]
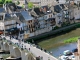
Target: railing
[
  {"x": 26, "y": 50},
  {"x": 10, "y": 42}
]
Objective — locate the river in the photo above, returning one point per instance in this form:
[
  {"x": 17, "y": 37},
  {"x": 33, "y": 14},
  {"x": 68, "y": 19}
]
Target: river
[{"x": 54, "y": 44}]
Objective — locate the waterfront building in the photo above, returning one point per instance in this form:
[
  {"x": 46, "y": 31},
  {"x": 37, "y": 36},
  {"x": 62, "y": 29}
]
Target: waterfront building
[
  {"x": 20, "y": 2},
  {"x": 27, "y": 22},
  {"x": 7, "y": 21},
  {"x": 40, "y": 3}
]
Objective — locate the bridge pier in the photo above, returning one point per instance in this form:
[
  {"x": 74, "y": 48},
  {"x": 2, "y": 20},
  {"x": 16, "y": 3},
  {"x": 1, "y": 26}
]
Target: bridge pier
[{"x": 15, "y": 53}]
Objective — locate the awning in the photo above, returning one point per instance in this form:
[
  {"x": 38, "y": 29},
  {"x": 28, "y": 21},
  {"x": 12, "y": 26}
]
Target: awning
[{"x": 1, "y": 32}]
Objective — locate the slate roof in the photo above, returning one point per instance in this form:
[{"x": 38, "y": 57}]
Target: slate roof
[
  {"x": 57, "y": 8},
  {"x": 38, "y": 12},
  {"x": 62, "y": 6},
  {"x": 12, "y": 6},
  {"x": 2, "y": 10},
  {"x": 21, "y": 18},
  {"x": 8, "y": 17},
  {"x": 26, "y": 15}
]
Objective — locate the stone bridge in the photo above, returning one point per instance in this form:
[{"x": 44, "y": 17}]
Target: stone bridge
[{"x": 23, "y": 51}]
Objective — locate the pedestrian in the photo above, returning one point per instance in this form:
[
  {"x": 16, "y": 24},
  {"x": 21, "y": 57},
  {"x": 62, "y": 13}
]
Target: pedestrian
[
  {"x": 10, "y": 37},
  {"x": 29, "y": 49}
]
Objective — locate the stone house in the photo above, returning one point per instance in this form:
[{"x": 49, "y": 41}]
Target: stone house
[
  {"x": 26, "y": 21},
  {"x": 7, "y": 21}
]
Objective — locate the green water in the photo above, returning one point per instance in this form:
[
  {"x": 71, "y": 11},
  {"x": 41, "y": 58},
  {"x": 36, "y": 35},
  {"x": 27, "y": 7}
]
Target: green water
[{"x": 55, "y": 44}]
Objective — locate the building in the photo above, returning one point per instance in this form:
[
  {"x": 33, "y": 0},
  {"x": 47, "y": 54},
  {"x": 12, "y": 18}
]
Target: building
[
  {"x": 43, "y": 2},
  {"x": 7, "y": 23}
]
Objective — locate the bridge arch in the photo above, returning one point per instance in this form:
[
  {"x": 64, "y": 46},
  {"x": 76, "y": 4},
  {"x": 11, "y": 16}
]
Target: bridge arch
[
  {"x": 17, "y": 53},
  {"x": 30, "y": 57},
  {"x": 6, "y": 47}
]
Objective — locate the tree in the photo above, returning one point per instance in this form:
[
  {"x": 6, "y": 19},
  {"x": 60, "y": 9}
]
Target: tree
[
  {"x": 22, "y": 6},
  {"x": 1, "y": 1},
  {"x": 30, "y": 5},
  {"x": 17, "y": 2},
  {"x": 8, "y": 1}
]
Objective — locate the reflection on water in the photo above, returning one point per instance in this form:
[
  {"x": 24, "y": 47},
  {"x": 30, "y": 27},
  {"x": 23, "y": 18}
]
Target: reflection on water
[
  {"x": 50, "y": 44},
  {"x": 59, "y": 50}
]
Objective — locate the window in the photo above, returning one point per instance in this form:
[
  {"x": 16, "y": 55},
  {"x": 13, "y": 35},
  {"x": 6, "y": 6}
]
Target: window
[
  {"x": 28, "y": 21},
  {"x": 31, "y": 20},
  {"x": 51, "y": 16},
  {"x": 29, "y": 26},
  {"x": 32, "y": 30}
]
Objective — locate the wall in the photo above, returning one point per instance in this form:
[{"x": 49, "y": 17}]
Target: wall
[
  {"x": 21, "y": 2},
  {"x": 1, "y": 25},
  {"x": 77, "y": 13},
  {"x": 23, "y": 55},
  {"x": 40, "y": 31},
  {"x": 43, "y": 2},
  {"x": 58, "y": 19}
]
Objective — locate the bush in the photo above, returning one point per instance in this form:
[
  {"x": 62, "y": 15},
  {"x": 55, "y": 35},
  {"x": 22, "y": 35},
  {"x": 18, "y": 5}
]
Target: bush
[
  {"x": 71, "y": 40},
  {"x": 56, "y": 27}
]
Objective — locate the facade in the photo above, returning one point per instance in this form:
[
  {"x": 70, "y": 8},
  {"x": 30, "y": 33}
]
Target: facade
[
  {"x": 8, "y": 23},
  {"x": 22, "y": 2},
  {"x": 42, "y": 2},
  {"x": 26, "y": 22},
  {"x": 77, "y": 13}
]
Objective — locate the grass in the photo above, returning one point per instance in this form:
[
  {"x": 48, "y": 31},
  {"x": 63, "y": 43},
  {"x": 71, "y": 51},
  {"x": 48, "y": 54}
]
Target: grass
[
  {"x": 5, "y": 56},
  {"x": 71, "y": 40},
  {"x": 47, "y": 44}
]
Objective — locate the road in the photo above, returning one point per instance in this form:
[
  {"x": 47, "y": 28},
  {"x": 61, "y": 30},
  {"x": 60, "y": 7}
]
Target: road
[{"x": 36, "y": 52}]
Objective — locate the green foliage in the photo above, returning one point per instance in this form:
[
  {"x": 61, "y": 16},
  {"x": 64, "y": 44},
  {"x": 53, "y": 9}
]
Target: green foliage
[
  {"x": 1, "y": 1},
  {"x": 22, "y": 6},
  {"x": 56, "y": 27},
  {"x": 5, "y": 1},
  {"x": 5, "y": 56},
  {"x": 8, "y": 1},
  {"x": 30, "y": 5},
  {"x": 71, "y": 40},
  {"x": 17, "y": 2}
]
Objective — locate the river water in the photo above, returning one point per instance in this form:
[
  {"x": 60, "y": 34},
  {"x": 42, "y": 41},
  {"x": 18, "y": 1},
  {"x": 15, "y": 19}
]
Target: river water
[{"x": 58, "y": 50}]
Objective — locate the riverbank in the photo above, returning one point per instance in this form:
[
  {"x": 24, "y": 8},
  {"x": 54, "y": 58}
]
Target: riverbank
[
  {"x": 71, "y": 40},
  {"x": 55, "y": 42},
  {"x": 57, "y": 31}
]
